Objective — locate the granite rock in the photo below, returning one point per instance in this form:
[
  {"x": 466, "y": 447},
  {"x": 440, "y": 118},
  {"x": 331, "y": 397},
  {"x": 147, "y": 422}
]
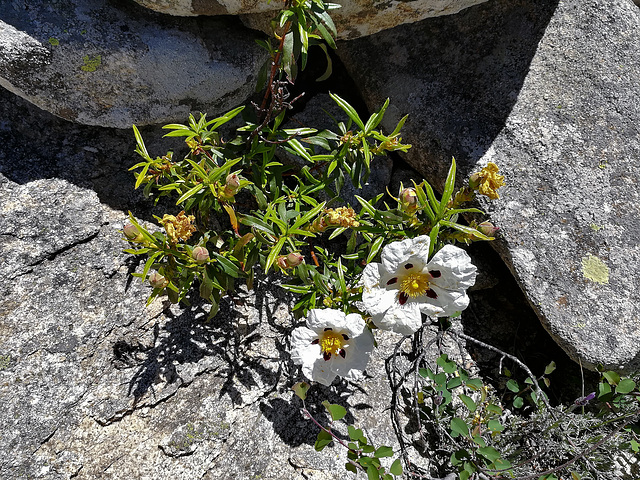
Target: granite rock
[
  {"x": 353, "y": 19},
  {"x": 112, "y": 64},
  {"x": 549, "y": 92}
]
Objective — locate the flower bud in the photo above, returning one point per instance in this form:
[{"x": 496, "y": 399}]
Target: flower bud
[
  {"x": 231, "y": 185},
  {"x": 488, "y": 229},
  {"x": 290, "y": 261},
  {"x": 474, "y": 180},
  {"x": 294, "y": 259},
  {"x": 408, "y": 200},
  {"x": 158, "y": 281},
  {"x": 132, "y": 233},
  {"x": 200, "y": 255}
]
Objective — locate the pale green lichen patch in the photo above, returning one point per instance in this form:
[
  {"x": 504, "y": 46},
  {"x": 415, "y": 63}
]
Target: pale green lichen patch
[
  {"x": 594, "y": 269},
  {"x": 54, "y": 41},
  {"x": 91, "y": 63}
]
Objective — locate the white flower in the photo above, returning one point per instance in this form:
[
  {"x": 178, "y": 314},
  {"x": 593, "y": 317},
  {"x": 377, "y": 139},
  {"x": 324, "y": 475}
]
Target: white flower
[
  {"x": 333, "y": 344},
  {"x": 406, "y": 284}
]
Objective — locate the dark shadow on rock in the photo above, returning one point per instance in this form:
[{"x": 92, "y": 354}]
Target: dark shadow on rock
[
  {"x": 38, "y": 145},
  {"x": 293, "y": 427},
  {"x": 457, "y": 76},
  {"x": 186, "y": 345},
  {"x": 501, "y": 316}
]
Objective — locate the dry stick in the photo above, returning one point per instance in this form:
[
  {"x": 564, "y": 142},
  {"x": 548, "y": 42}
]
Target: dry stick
[
  {"x": 544, "y": 398},
  {"x": 539, "y": 391}
]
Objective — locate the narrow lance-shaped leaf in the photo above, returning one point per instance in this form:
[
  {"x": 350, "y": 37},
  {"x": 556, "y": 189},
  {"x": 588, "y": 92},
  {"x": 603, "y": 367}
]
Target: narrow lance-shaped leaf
[
  {"x": 143, "y": 150},
  {"x": 349, "y": 110},
  {"x": 449, "y": 185},
  {"x": 376, "y": 118}
]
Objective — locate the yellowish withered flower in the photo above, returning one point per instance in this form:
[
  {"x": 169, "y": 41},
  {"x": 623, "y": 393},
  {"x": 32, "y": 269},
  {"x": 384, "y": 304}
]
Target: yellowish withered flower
[
  {"x": 178, "y": 227},
  {"x": 341, "y": 217},
  {"x": 487, "y": 181}
]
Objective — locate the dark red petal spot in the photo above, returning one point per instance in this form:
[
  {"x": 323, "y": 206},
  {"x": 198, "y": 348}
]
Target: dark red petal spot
[
  {"x": 342, "y": 353},
  {"x": 431, "y": 294},
  {"x": 392, "y": 281},
  {"x": 316, "y": 341},
  {"x": 346, "y": 337},
  {"x": 326, "y": 356},
  {"x": 328, "y": 329},
  {"x": 408, "y": 266},
  {"x": 435, "y": 273},
  {"x": 402, "y": 298}
]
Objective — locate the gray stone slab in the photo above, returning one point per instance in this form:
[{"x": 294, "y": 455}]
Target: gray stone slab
[
  {"x": 113, "y": 64},
  {"x": 550, "y": 92}
]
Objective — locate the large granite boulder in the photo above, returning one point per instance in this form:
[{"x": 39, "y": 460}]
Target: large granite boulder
[
  {"x": 354, "y": 19},
  {"x": 549, "y": 91},
  {"x": 115, "y": 64}
]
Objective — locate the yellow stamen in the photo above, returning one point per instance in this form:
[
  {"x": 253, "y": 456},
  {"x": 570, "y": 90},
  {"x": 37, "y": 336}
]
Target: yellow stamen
[
  {"x": 415, "y": 284},
  {"x": 331, "y": 342}
]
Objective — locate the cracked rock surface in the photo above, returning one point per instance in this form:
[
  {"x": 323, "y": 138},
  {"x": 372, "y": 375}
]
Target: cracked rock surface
[{"x": 94, "y": 385}]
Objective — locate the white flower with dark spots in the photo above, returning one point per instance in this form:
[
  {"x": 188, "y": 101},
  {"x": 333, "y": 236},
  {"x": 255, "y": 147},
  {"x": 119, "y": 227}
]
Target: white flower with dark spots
[
  {"x": 407, "y": 284},
  {"x": 332, "y": 344}
]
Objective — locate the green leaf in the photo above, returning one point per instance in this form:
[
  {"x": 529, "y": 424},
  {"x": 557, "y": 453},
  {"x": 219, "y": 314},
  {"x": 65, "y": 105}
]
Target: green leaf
[
  {"x": 449, "y": 185},
  {"x": 227, "y": 265},
  {"x": 447, "y": 365},
  {"x": 143, "y": 150},
  {"x": 275, "y": 251},
  {"x": 435, "y": 204},
  {"x": 518, "y": 402},
  {"x": 489, "y": 453},
  {"x": 383, "y": 451},
  {"x": 495, "y": 426},
  {"x": 376, "y": 118},
  {"x": 474, "y": 384},
  {"x": 324, "y": 439},
  {"x": 478, "y": 440},
  {"x": 299, "y": 149},
  {"x": 355, "y": 434},
  {"x": 550, "y": 368},
  {"x": 472, "y": 232},
  {"x": 307, "y": 217},
  {"x": 372, "y": 473},
  {"x": 468, "y": 402},
  {"x": 396, "y": 467},
  {"x": 454, "y": 382},
  {"x": 513, "y": 386},
  {"x": 375, "y": 248},
  {"x": 349, "y": 110},
  {"x": 350, "y": 467},
  {"x": 603, "y": 390},
  {"x": 337, "y": 411},
  {"x": 625, "y": 386},
  {"x": 189, "y": 193},
  {"x": 301, "y": 389},
  {"x": 612, "y": 377},
  {"x": 460, "y": 427}
]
